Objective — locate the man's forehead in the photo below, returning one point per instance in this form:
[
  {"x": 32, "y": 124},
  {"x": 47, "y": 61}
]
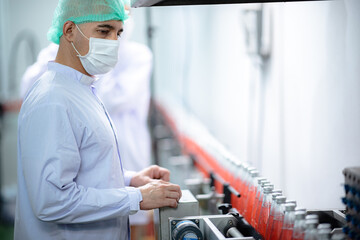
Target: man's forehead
[{"x": 111, "y": 23}]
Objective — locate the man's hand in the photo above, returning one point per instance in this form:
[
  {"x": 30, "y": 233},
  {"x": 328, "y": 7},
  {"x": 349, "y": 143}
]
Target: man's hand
[
  {"x": 148, "y": 174},
  {"x": 159, "y": 193}
]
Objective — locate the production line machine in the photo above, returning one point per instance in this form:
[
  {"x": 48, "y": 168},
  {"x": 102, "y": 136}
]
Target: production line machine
[{"x": 211, "y": 206}]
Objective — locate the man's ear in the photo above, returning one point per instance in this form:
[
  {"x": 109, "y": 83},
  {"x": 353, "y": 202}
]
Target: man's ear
[{"x": 68, "y": 30}]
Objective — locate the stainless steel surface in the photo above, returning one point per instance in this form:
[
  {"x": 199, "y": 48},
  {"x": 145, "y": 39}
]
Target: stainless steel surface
[
  {"x": 188, "y": 206},
  {"x": 214, "y": 227},
  {"x": 208, "y": 202},
  {"x": 233, "y": 232}
]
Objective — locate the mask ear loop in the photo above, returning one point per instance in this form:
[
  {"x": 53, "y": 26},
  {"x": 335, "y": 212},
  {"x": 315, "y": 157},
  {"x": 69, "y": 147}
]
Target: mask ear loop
[
  {"x": 81, "y": 32},
  {"x": 79, "y": 55}
]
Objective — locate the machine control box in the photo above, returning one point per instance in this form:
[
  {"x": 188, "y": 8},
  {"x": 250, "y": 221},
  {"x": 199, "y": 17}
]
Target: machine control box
[{"x": 188, "y": 206}]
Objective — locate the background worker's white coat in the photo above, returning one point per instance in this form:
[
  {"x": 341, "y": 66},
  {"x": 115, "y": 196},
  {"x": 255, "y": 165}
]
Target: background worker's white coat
[{"x": 125, "y": 91}]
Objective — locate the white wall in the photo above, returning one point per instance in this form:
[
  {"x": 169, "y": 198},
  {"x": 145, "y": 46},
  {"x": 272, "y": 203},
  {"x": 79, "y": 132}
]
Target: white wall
[{"x": 298, "y": 120}]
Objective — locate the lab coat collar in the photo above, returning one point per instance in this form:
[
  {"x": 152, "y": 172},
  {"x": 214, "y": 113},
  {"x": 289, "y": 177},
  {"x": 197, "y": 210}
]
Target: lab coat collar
[{"x": 82, "y": 78}]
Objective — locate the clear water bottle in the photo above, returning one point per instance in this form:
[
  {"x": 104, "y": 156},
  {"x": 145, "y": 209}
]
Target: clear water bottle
[
  {"x": 289, "y": 220},
  {"x": 311, "y": 229},
  {"x": 299, "y": 225}
]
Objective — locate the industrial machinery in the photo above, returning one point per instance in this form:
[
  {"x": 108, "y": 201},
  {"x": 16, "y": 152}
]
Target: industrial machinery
[
  {"x": 216, "y": 204},
  {"x": 352, "y": 202},
  {"x": 185, "y": 222}
]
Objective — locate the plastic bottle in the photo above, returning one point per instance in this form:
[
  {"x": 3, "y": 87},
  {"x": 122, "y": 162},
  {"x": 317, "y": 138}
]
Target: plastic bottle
[
  {"x": 289, "y": 220},
  {"x": 259, "y": 205},
  {"x": 311, "y": 231},
  {"x": 277, "y": 220},
  {"x": 323, "y": 232},
  {"x": 252, "y": 198},
  {"x": 245, "y": 189},
  {"x": 272, "y": 210},
  {"x": 338, "y": 236},
  {"x": 260, "y": 185},
  {"x": 265, "y": 210},
  {"x": 299, "y": 225},
  {"x": 324, "y": 226},
  {"x": 249, "y": 202},
  {"x": 277, "y": 200}
]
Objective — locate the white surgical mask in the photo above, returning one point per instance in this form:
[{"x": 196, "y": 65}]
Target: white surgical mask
[{"x": 102, "y": 56}]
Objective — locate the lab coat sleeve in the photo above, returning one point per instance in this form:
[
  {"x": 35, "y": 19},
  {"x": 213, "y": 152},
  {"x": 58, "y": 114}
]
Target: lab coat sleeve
[
  {"x": 128, "y": 176},
  {"x": 129, "y": 81},
  {"x": 50, "y": 158}
]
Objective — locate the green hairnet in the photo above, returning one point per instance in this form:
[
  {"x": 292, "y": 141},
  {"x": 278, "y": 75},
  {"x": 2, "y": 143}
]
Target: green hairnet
[{"x": 83, "y": 11}]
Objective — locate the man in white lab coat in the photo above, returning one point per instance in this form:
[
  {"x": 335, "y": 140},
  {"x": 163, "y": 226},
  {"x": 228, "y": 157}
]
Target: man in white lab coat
[
  {"x": 125, "y": 92},
  {"x": 71, "y": 182}
]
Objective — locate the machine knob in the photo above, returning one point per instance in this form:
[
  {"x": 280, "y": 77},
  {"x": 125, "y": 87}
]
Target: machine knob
[
  {"x": 225, "y": 208},
  {"x": 186, "y": 230}
]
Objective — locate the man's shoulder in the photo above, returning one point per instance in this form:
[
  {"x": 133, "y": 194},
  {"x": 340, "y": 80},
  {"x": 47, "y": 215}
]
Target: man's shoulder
[{"x": 49, "y": 89}]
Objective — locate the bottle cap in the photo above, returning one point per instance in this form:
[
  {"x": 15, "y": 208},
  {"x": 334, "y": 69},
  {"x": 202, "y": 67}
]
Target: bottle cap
[
  {"x": 312, "y": 223},
  {"x": 280, "y": 199},
  {"x": 274, "y": 195},
  {"x": 289, "y": 207},
  {"x": 261, "y": 179},
  {"x": 269, "y": 185},
  {"x": 277, "y": 190},
  {"x": 299, "y": 215},
  {"x": 268, "y": 189},
  {"x": 300, "y": 209},
  {"x": 254, "y": 173},
  {"x": 324, "y": 226},
  {"x": 312, "y": 216},
  {"x": 249, "y": 169},
  {"x": 291, "y": 201},
  {"x": 264, "y": 182}
]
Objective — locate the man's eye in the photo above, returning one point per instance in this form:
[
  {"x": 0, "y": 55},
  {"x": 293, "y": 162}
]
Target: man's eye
[{"x": 103, "y": 32}]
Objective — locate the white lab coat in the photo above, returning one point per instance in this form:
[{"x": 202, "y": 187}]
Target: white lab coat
[
  {"x": 125, "y": 91},
  {"x": 71, "y": 184}
]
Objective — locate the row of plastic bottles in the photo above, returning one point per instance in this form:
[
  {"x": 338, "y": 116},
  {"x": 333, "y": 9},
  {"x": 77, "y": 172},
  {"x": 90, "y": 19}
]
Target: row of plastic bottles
[{"x": 271, "y": 214}]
